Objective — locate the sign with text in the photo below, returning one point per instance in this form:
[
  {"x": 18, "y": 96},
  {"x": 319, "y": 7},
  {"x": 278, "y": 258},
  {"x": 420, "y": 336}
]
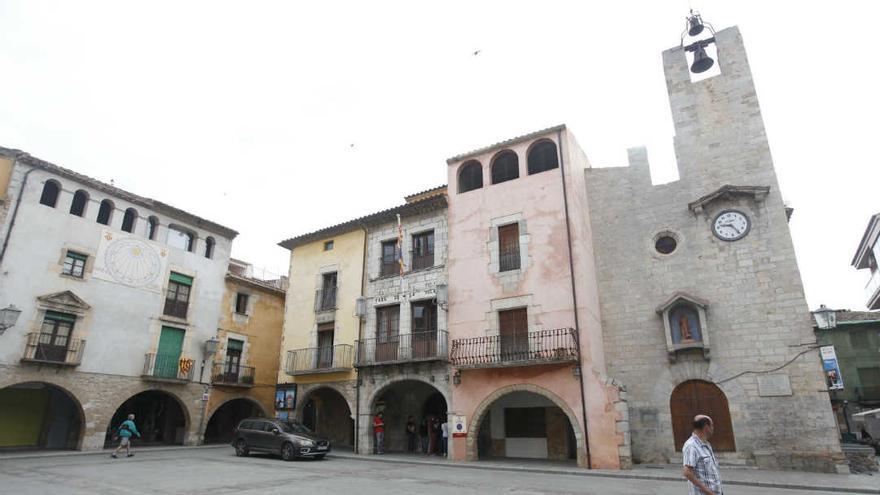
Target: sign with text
[
  {"x": 833, "y": 377},
  {"x": 459, "y": 426}
]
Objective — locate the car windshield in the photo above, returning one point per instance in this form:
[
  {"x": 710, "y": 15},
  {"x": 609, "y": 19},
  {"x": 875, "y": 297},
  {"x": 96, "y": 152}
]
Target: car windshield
[{"x": 294, "y": 427}]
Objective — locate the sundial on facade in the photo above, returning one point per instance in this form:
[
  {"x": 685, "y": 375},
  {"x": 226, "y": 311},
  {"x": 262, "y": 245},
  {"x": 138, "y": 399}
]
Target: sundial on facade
[{"x": 132, "y": 262}]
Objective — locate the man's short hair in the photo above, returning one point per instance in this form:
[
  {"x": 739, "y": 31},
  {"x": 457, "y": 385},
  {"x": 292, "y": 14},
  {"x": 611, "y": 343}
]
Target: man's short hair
[{"x": 701, "y": 421}]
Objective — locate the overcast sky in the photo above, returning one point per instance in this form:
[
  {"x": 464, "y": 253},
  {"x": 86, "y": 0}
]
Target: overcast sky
[{"x": 278, "y": 118}]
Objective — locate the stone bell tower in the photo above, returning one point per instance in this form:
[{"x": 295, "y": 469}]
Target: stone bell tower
[{"x": 700, "y": 292}]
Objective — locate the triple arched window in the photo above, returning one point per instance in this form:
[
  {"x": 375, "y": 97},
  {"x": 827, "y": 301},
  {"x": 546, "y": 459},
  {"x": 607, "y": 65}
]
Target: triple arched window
[{"x": 541, "y": 156}]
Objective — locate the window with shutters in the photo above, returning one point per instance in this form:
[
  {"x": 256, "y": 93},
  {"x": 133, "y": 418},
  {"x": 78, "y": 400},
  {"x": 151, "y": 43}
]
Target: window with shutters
[
  {"x": 513, "y": 329},
  {"x": 390, "y": 264},
  {"x": 241, "y": 303},
  {"x": 423, "y": 250},
  {"x": 177, "y": 298},
  {"x": 387, "y": 333},
  {"x": 470, "y": 176},
  {"x": 74, "y": 264},
  {"x": 542, "y": 157},
  {"x": 49, "y": 197},
  {"x": 508, "y": 247},
  {"x": 78, "y": 205},
  {"x": 105, "y": 212}
]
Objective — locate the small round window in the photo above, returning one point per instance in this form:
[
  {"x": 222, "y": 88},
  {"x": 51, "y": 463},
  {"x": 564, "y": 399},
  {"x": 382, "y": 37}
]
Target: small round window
[{"x": 665, "y": 244}]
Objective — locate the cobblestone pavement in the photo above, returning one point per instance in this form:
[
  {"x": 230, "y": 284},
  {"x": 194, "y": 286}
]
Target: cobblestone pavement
[{"x": 217, "y": 471}]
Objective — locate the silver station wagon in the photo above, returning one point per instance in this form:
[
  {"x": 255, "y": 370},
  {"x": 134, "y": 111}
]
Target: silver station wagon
[{"x": 275, "y": 436}]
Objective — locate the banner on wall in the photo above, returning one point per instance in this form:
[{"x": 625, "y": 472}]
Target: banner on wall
[
  {"x": 285, "y": 399},
  {"x": 833, "y": 377},
  {"x": 459, "y": 426}
]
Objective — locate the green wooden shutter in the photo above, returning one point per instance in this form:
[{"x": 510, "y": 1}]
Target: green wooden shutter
[
  {"x": 181, "y": 279},
  {"x": 77, "y": 256},
  {"x": 54, "y": 315},
  {"x": 234, "y": 345}
]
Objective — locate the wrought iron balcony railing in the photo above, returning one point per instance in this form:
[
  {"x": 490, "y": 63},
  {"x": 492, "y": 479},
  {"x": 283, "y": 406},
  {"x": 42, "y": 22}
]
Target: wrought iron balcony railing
[
  {"x": 539, "y": 347},
  {"x": 508, "y": 260},
  {"x": 325, "y": 299},
  {"x": 231, "y": 373},
  {"x": 388, "y": 268},
  {"x": 326, "y": 359},
  {"x": 52, "y": 348},
  {"x": 419, "y": 346},
  {"x": 165, "y": 367},
  {"x": 422, "y": 261}
]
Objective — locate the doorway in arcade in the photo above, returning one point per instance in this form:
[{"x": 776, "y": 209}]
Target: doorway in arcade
[
  {"x": 326, "y": 413},
  {"x": 37, "y": 415},
  {"x": 526, "y": 425},
  {"x": 401, "y": 400},
  {"x": 158, "y": 415}
]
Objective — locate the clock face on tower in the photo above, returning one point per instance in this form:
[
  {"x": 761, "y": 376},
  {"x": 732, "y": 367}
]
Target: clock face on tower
[{"x": 731, "y": 225}]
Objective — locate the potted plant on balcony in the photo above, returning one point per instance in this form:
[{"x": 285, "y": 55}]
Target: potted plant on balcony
[{"x": 247, "y": 379}]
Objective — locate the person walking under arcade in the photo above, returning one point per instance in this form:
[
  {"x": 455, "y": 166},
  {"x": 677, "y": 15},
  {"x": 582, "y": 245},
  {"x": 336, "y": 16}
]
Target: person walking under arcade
[
  {"x": 125, "y": 431},
  {"x": 410, "y": 435}
]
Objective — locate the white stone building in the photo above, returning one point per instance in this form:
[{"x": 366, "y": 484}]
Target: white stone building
[{"x": 118, "y": 295}]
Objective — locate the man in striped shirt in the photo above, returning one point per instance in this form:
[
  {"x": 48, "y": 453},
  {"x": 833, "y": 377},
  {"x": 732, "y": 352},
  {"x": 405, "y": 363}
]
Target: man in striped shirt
[{"x": 700, "y": 465}]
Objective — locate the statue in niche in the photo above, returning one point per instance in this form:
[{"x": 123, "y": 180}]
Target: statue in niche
[{"x": 685, "y": 325}]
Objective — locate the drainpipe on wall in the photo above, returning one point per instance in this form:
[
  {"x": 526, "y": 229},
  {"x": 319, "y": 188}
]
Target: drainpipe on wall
[
  {"x": 17, "y": 203},
  {"x": 577, "y": 328},
  {"x": 357, "y": 383}
]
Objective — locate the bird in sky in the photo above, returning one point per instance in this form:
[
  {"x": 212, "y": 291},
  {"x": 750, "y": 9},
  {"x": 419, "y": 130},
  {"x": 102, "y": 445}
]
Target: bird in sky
[{"x": 477, "y": 52}]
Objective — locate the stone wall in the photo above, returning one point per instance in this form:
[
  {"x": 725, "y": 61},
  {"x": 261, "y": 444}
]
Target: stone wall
[
  {"x": 100, "y": 395},
  {"x": 757, "y": 316}
]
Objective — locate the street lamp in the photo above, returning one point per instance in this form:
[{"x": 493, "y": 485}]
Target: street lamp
[
  {"x": 211, "y": 346},
  {"x": 8, "y": 317},
  {"x": 442, "y": 296},
  {"x": 826, "y": 319}
]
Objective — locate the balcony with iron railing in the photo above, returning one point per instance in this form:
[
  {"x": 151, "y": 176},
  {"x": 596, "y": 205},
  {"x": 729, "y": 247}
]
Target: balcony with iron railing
[
  {"x": 167, "y": 368},
  {"x": 232, "y": 374},
  {"x": 498, "y": 351},
  {"x": 312, "y": 360},
  {"x": 405, "y": 348},
  {"x": 325, "y": 299},
  {"x": 870, "y": 393},
  {"x": 47, "y": 348},
  {"x": 421, "y": 261},
  {"x": 508, "y": 260},
  {"x": 388, "y": 267}
]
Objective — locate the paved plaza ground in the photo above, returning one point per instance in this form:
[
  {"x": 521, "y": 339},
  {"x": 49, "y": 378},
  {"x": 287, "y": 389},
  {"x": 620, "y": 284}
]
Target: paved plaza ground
[{"x": 217, "y": 471}]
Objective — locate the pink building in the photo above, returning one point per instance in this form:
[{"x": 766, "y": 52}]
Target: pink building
[{"x": 524, "y": 322}]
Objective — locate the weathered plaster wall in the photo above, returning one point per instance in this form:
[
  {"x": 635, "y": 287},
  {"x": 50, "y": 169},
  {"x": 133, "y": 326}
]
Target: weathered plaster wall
[{"x": 307, "y": 264}]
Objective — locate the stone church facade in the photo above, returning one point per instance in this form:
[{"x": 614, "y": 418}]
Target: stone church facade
[{"x": 702, "y": 303}]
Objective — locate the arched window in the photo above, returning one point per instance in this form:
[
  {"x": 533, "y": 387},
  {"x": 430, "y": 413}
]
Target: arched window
[
  {"x": 50, "y": 193},
  {"x": 209, "y": 247},
  {"x": 80, "y": 200},
  {"x": 505, "y": 166},
  {"x": 129, "y": 220},
  {"x": 105, "y": 212},
  {"x": 470, "y": 176},
  {"x": 542, "y": 157},
  {"x": 181, "y": 239},
  {"x": 152, "y": 227}
]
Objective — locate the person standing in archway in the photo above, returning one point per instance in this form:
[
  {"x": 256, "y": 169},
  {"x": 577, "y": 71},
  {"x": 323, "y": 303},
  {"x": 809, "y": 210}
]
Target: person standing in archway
[
  {"x": 423, "y": 435},
  {"x": 125, "y": 431},
  {"x": 379, "y": 433},
  {"x": 700, "y": 466},
  {"x": 411, "y": 435}
]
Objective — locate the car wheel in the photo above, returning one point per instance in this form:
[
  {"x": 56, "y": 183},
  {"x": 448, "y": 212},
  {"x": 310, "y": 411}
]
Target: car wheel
[
  {"x": 287, "y": 452},
  {"x": 241, "y": 449}
]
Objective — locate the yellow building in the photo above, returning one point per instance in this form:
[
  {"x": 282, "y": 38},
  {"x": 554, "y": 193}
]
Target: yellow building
[
  {"x": 321, "y": 325},
  {"x": 246, "y": 361}
]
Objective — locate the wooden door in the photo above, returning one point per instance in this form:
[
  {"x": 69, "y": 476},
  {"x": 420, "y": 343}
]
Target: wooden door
[
  {"x": 325, "y": 345},
  {"x": 424, "y": 329},
  {"x": 387, "y": 333},
  {"x": 698, "y": 397},
  {"x": 54, "y": 338},
  {"x": 168, "y": 353},
  {"x": 514, "y": 333}
]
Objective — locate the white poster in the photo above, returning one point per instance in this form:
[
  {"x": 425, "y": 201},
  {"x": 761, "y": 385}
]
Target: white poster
[
  {"x": 459, "y": 426},
  {"x": 131, "y": 261}
]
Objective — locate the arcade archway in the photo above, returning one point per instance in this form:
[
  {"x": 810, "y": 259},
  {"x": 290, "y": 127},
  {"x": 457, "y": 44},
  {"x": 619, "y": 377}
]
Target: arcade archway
[
  {"x": 326, "y": 412},
  {"x": 226, "y": 417},
  {"x": 159, "y": 416},
  {"x": 526, "y": 425},
  {"x": 39, "y": 415},
  {"x": 404, "y": 399}
]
